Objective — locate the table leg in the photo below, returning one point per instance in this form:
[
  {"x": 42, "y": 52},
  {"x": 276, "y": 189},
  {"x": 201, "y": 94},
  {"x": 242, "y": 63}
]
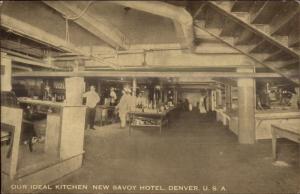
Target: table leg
[
  {"x": 161, "y": 124},
  {"x": 274, "y": 142},
  {"x": 129, "y": 124},
  {"x": 168, "y": 123},
  {"x": 101, "y": 117}
]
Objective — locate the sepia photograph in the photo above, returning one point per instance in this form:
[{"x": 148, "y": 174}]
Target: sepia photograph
[{"x": 150, "y": 97}]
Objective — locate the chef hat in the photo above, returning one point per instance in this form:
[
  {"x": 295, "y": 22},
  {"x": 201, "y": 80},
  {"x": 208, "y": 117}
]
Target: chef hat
[{"x": 126, "y": 89}]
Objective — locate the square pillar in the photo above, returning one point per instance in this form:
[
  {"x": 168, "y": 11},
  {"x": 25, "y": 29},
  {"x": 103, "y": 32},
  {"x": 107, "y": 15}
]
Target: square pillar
[
  {"x": 75, "y": 87},
  {"x": 228, "y": 97},
  {"x": 99, "y": 86},
  {"x": 162, "y": 99},
  {"x": 246, "y": 108},
  {"x": 219, "y": 98},
  {"x": 175, "y": 95}
]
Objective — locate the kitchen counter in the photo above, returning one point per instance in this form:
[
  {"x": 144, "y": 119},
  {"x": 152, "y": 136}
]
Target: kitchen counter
[
  {"x": 149, "y": 118},
  {"x": 45, "y": 102},
  {"x": 263, "y": 120}
]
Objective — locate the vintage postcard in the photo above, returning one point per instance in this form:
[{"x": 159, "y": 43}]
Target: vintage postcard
[{"x": 150, "y": 97}]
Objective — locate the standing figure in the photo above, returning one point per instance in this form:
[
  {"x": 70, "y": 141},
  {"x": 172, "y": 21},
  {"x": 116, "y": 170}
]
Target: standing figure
[
  {"x": 186, "y": 104},
  {"x": 202, "y": 105},
  {"x": 205, "y": 102},
  {"x": 190, "y": 107},
  {"x": 141, "y": 101},
  {"x": 113, "y": 97},
  {"x": 124, "y": 105},
  {"x": 92, "y": 99}
]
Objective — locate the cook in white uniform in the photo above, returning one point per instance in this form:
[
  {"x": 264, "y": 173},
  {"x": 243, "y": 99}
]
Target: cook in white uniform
[{"x": 92, "y": 99}]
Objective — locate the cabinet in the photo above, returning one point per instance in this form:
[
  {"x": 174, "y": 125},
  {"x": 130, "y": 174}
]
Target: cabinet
[
  {"x": 59, "y": 90},
  {"x": 62, "y": 153}
]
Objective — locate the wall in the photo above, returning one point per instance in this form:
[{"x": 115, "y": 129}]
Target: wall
[{"x": 28, "y": 87}]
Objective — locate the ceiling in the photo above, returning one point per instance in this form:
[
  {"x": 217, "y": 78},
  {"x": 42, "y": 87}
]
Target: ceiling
[{"x": 156, "y": 36}]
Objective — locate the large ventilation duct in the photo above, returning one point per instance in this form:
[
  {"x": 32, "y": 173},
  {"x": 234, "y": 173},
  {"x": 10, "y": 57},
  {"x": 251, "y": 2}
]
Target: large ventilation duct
[{"x": 182, "y": 19}]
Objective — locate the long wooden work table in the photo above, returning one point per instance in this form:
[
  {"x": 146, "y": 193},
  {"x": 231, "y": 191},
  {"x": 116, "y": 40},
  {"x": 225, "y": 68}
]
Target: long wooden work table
[
  {"x": 150, "y": 119},
  {"x": 288, "y": 131},
  {"x": 263, "y": 121}
]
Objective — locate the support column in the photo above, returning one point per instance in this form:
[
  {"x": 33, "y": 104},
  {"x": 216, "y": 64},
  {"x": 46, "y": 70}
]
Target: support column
[
  {"x": 5, "y": 73},
  {"x": 75, "y": 87},
  {"x": 246, "y": 109},
  {"x": 165, "y": 93},
  {"x": 134, "y": 87},
  {"x": 208, "y": 100},
  {"x": 99, "y": 86},
  {"x": 228, "y": 97},
  {"x": 175, "y": 95},
  {"x": 213, "y": 100},
  {"x": 296, "y": 103},
  {"x": 219, "y": 98},
  {"x": 162, "y": 99}
]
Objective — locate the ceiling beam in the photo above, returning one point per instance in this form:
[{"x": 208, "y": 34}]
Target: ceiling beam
[
  {"x": 226, "y": 81},
  {"x": 293, "y": 74},
  {"x": 260, "y": 56},
  {"x": 172, "y": 58},
  {"x": 244, "y": 37},
  {"x": 38, "y": 63},
  {"x": 21, "y": 47},
  {"x": 256, "y": 57},
  {"x": 228, "y": 27},
  {"x": 273, "y": 55},
  {"x": 13, "y": 53},
  {"x": 282, "y": 64},
  {"x": 294, "y": 38},
  {"x": 203, "y": 35},
  {"x": 100, "y": 28},
  {"x": 214, "y": 48},
  {"x": 246, "y": 23},
  {"x": 21, "y": 67},
  {"x": 279, "y": 21},
  {"x": 255, "y": 16},
  {"x": 134, "y": 49},
  {"x": 241, "y": 6},
  {"x": 146, "y": 74},
  {"x": 199, "y": 10},
  {"x": 24, "y": 29},
  {"x": 252, "y": 48}
]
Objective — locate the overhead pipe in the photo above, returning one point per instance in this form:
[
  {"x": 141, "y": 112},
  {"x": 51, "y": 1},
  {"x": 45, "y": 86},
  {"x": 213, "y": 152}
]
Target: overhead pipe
[
  {"x": 17, "y": 57},
  {"x": 14, "y": 66},
  {"x": 181, "y": 17},
  {"x": 34, "y": 33}
]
